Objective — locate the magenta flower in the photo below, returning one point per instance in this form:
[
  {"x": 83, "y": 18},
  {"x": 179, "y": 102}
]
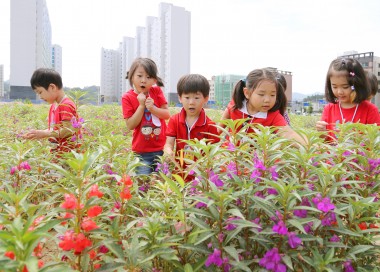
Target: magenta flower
[
  {"x": 24, "y": 165},
  {"x": 229, "y": 225},
  {"x": 274, "y": 173},
  {"x": 323, "y": 204},
  {"x": 328, "y": 219},
  {"x": 214, "y": 258},
  {"x": 272, "y": 261},
  {"x": 293, "y": 240},
  {"x": 231, "y": 147},
  {"x": 302, "y": 213},
  {"x": 200, "y": 205},
  {"x": 280, "y": 228},
  {"x": 335, "y": 239},
  {"x": 214, "y": 178},
  {"x": 348, "y": 266},
  {"x": 272, "y": 191},
  {"x": 13, "y": 170},
  {"x": 232, "y": 170}
]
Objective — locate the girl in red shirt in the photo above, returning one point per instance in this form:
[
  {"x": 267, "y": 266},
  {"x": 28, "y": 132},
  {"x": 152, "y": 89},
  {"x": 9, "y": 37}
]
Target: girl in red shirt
[
  {"x": 347, "y": 91},
  {"x": 260, "y": 98},
  {"x": 145, "y": 110}
]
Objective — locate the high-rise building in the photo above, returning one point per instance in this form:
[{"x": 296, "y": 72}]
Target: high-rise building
[
  {"x": 30, "y": 45},
  {"x": 164, "y": 39},
  {"x": 110, "y": 75},
  {"x": 370, "y": 63},
  {"x": 56, "y": 58},
  {"x": 224, "y": 86},
  {"x": 1, "y": 81}
]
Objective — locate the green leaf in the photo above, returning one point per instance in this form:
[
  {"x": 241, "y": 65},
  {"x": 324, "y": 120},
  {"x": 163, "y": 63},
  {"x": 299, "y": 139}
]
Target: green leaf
[
  {"x": 188, "y": 268},
  {"x": 359, "y": 249},
  {"x": 232, "y": 252},
  {"x": 115, "y": 248}
]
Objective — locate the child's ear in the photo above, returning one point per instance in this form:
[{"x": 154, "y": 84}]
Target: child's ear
[
  {"x": 246, "y": 92},
  {"x": 52, "y": 87},
  {"x": 206, "y": 99}
]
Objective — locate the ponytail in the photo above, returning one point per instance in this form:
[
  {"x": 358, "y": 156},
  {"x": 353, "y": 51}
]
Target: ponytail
[
  {"x": 159, "y": 82},
  {"x": 238, "y": 94}
]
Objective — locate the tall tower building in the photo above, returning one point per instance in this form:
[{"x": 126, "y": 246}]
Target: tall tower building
[
  {"x": 110, "y": 75},
  {"x": 164, "y": 39},
  {"x": 174, "y": 61},
  {"x": 30, "y": 44},
  {"x": 56, "y": 58}
]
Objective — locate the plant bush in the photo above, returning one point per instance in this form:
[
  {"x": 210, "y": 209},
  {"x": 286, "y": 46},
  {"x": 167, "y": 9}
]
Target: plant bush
[{"x": 254, "y": 203}]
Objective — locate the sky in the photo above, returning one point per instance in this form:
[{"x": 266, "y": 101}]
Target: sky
[{"x": 227, "y": 36}]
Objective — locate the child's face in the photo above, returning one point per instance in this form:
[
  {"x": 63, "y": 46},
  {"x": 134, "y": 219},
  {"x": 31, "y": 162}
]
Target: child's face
[
  {"x": 263, "y": 98},
  {"x": 340, "y": 87},
  {"x": 193, "y": 103},
  {"x": 48, "y": 95},
  {"x": 142, "y": 82}
]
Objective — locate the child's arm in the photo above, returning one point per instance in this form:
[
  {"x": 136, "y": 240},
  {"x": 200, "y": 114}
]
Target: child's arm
[
  {"x": 288, "y": 133},
  {"x": 65, "y": 130},
  {"x": 135, "y": 119},
  {"x": 169, "y": 146},
  {"x": 162, "y": 112}
]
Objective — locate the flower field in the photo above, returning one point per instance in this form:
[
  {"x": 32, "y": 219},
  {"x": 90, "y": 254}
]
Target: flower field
[{"x": 253, "y": 203}]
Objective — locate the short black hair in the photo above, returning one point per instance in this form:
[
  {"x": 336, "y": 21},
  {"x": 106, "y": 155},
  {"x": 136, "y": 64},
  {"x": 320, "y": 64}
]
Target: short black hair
[
  {"x": 43, "y": 77},
  {"x": 193, "y": 83}
]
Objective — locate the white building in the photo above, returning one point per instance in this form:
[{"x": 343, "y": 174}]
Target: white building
[
  {"x": 110, "y": 75},
  {"x": 30, "y": 45},
  {"x": 164, "y": 39},
  {"x": 1, "y": 81},
  {"x": 56, "y": 58}
]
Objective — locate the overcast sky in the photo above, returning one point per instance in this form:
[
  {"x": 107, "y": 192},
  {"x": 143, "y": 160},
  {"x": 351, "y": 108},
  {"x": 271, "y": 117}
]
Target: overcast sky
[{"x": 227, "y": 36}]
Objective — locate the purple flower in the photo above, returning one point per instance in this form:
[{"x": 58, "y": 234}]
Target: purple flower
[
  {"x": 229, "y": 225},
  {"x": 200, "y": 205},
  {"x": 238, "y": 202},
  {"x": 328, "y": 219},
  {"x": 231, "y": 147},
  {"x": 308, "y": 227},
  {"x": 214, "y": 178},
  {"x": 373, "y": 164},
  {"x": 259, "y": 194},
  {"x": 272, "y": 261},
  {"x": 221, "y": 237},
  {"x": 280, "y": 228},
  {"x": 348, "y": 266},
  {"x": 214, "y": 258},
  {"x": 274, "y": 173},
  {"x": 76, "y": 123},
  {"x": 232, "y": 170},
  {"x": 335, "y": 239},
  {"x": 226, "y": 266},
  {"x": 256, "y": 175},
  {"x": 323, "y": 204},
  {"x": 293, "y": 240},
  {"x": 257, "y": 222},
  {"x": 302, "y": 213},
  {"x": 164, "y": 167},
  {"x": 272, "y": 191}
]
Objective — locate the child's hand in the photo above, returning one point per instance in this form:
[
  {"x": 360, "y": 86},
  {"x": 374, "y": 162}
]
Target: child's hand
[
  {"x": 149, "y": 103},
  {"x": 141, "y": 97},
  {"x": 321, "y": 125},
  {"x": 36, "y": 134}
]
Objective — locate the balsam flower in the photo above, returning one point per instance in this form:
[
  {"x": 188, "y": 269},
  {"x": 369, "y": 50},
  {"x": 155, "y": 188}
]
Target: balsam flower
[
  {"x": 272, "y": 261},
  {"x": 214, "y": 258}
]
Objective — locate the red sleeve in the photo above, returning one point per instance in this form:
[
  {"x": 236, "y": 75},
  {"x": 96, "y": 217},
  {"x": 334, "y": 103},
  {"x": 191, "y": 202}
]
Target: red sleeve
[
  {"x": 159, "y": 99},
  {"x": 326, "y": 114},
  {"x": 127, "y": 106},
  {"x": 171, "y": 129},
  {"x": 373, "y": 115},
  {"x": 279, "y": 120}
]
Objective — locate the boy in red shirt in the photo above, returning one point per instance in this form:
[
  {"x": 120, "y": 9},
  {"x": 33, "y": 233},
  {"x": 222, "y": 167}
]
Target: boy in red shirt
[
  {"x": 63, "y": 123},
  {"x": 191, "y": 122}
]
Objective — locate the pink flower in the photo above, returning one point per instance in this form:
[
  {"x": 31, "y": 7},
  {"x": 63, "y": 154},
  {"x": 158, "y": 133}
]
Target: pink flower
[{"x": 70, "y": 202}]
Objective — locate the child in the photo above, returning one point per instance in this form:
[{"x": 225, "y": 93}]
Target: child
[
  {"x": 47, "y": 83},
  {"x": 145, "y": 110},
  {"x": 191, "y": 122},
  {"x": 347, "y": 91},
  {"x": 373, "y": 85},
  {"x": 259, "y": 98}
]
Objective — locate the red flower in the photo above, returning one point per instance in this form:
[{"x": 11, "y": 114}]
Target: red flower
[
  {"x": 94, "y": 192},
  {"x": 92, "y": 254},
  {"x": 126, "y": 194},
  {"x": 373, "y": 226},
  {"x": 363, "y": 225},
  {"x": 68, "y": 241},
  {"x": 127, "y": 180},
  {"x": 10, "y": 255},
  {"x": 88, "y": 224},
  {"x": 81, "y": 243},
  {"x": 38, "y": 250},
  {"x": 97, "y": 266},
  {"x": 94, "y": 211},
  {"x": 70, "y": 202},
  {"x": 40, "y": 263},
  {"x": 25, "y": 269}
]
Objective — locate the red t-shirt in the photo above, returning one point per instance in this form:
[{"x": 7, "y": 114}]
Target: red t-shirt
[
  {"x": 271, "y": 119},
  {"x": 178, "y": 129},
  {"x": 64, "y": 111},
  {"x": 149, "y": 135},
  {"x": 366, "y": 113}
]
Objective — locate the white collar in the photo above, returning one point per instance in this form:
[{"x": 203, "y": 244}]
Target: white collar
[{"x": 260, "y": 114}]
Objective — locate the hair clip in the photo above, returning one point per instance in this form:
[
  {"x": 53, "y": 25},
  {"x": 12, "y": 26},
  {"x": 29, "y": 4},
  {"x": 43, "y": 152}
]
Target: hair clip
[
  {"x": 353, "y": 87},
  {"x": 243, "y": 80},
  {"x": 352, "y": 74}
]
